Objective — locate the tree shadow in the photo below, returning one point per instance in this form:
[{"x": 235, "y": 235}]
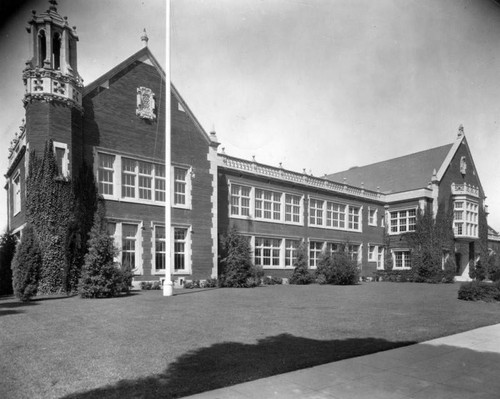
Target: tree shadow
[
  {"x": 230, "y": 363},
  {"x": 10, "y": 308}
]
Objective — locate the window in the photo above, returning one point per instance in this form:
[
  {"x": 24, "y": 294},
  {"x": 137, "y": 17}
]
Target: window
[
  {"x": 380, "y": 258},
  {"x": 402, "y": 260},
  {"x": 291, "y": 248},
  {"x": 315, "y": 250},
  {"x": 333, "y": 247},
  {"x": 353, "y": 251},
  {"x": 315, "y": 212},
  {"x": 403, "y": 221},
  {"x": 105, "y": 173},
  {"x": 353, "y": 218},
  {"x": 145, "y": 180},
  {"x": 465, "y": 218},
  {"x": 129, "y": 240},
  {"x": 180, "y": 249},
  {"x": 16, "y": 193},
  {"x": 372, "y": 253},
  {"x": 160, "y": 247},
  {"x": 180, "y": 184},
  {"x": 292, "y": 208},
  {"x": 61, "y": 155},
  {"x": 240, "y": 200},
  {"x": 128, "y": 178},
  {"x": 267, "y": 251},
  {"x": 372, "y": 216},
  {"x": 267, "y": 204},
  {"x": 160, "y": 183},
  {"x": 335, "y": 215}
]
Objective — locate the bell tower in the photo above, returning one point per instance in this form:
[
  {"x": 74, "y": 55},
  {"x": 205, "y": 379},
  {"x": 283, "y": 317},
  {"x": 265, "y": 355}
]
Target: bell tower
[{"x": 53, "y": 88}]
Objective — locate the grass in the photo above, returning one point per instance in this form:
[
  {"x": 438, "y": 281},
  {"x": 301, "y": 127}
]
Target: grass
[{"x": 144, "y": 345}]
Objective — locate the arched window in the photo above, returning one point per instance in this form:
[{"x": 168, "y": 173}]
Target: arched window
[
  {"x": 42, "y": 48},
  {"x": 56, "y": 50}
]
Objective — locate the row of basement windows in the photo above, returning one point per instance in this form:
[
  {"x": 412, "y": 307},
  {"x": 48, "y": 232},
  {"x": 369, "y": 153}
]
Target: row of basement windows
[
  {"x": 128, "y": 241},
  {"x": 270, "y": 205}
]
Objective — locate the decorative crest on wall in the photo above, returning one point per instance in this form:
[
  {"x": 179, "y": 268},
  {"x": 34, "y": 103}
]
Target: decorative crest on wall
[{"x": 145, "y": 103}]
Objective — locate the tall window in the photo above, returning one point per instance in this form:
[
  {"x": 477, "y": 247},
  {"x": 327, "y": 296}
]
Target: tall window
[
  {"x": 372, "y": 253},
  {"x": 402, "y": 260},
  {"x": 180, "y": 184},
  {"x": 315, "y": 212},
  {"x": 160, "y": 248},
  {"x": 160, "y": 183},
  {"x": 128, "y": 178},
  {"x": 292, "y": 208},
  {"x": 267, "y": 204},
  {"x": 465, "y": 218},
  {"x": 16, "y": 193},
  {"x": 353, "y": 251},
  {"x": 335, "y": 215},
  {"x": 380, "y": 258},
  {"x": 129, "y": 242},
  {"x": 267, "y": 251},
  {"x": 105, "y": 173},
  {"x": 372, "y": 216},
  {"x": 403, "y": 221},
  {"x": 315, "y": 249},
  {"x": 353, "y": 221},
  {"x": 240, "y": 200},
  {"x": 180, "y": 249},
  {"x": 291, "y": 248},
  {"x": 145, "y": 180}
]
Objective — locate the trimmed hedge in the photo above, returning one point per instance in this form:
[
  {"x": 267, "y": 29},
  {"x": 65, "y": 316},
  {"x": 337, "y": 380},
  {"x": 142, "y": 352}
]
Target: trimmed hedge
[{"x": 479, "y": 291}]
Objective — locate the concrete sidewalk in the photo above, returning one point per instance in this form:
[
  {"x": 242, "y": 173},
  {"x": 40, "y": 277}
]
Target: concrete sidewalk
[{"x": 465, "y": 365}]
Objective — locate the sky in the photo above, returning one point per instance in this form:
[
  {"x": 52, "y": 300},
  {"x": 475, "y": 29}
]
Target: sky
[{"x": 321, "y": 85}]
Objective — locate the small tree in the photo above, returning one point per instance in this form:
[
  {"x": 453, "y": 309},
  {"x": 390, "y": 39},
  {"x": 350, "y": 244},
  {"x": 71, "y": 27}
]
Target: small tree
[
  {"x": 26, "y": 265},
  {"x": 338, "y": 268},
  {"x": 7, "y": 249},
  {"x": 301, "y": 274},
  {"x": 237, "y": 267},
  {"x": 100, "y": 275}
]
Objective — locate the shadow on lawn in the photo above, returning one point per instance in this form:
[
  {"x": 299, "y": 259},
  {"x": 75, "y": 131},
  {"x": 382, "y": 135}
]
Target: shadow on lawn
[
  {"x": 230, "y": 363},
  {"x": 10, "y": 308}
]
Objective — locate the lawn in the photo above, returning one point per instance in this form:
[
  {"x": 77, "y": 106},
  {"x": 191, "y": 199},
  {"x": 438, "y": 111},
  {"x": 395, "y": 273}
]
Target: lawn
[{"x": 145, "y": 345}]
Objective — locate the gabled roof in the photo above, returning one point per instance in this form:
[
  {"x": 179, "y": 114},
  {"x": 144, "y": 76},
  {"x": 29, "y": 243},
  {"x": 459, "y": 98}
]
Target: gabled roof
[
  {"x": 143, "y": 55},
  {"x": 409, "y": 172}
]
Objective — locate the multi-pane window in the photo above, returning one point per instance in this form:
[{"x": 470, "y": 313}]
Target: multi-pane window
[
  {"x": 128, "y": 178},
  {"x": 292, "y": 208},
  {"x": 240, "y": 200},
  {"x": 105, "y": 173},
  {"x": 267, "y": 251},
  {"x": 267, "y": 204},
  {"x": 315, "y": 250},
  {"x": 380, "y": 258},
  {"x": 160, "y": 248},
  {"x": 372, "y": 253},
  {"x": 353, "y": 221},
  {"x": 403, "y": 221},
  {"x": 145, "y": 180},
  {"x": 160, "y": 183},
  {"x": 402, "y": 260},
  {"x": 372, "y": 216},
  {"x": 129, "y": 242},
  {"x": 465, "y": 218},
  {"x": 60, "y": 158},
  {"x": 333, "y": 247},
  {"x": 353, "y": 251},
  {"x": 180, "y": 185},
  {"x": 316, "y": 212},
  {"x": 180, "y": 249},
  {"x": 335, "y": 215},
  {"x": 291, "y": 248},
  {"x": 16, "y": 192}
]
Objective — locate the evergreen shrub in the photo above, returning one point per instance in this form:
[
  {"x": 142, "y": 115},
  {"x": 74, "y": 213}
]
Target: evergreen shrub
[
  {"x": 301, "y": 274},
  {"x": 7, "y": 250},
  {"x": 26, "y": 265},
  {"x": 337, "y": 268},
  {"x": 479, "y": 291}
]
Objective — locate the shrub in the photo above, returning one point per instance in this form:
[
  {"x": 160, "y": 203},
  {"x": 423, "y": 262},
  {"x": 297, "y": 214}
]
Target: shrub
[
  {"x": 479, "y": 291},
  {"x": 7, "y": 250},
  {"x": 26, "y": 265},
  {"x": 236, "y": 265},
  {"x": 338, "y": 269},
  {"x": 101, "y": 277},
  {"x": 301, "y": 274},
  {"x": 211, "y": 283}
]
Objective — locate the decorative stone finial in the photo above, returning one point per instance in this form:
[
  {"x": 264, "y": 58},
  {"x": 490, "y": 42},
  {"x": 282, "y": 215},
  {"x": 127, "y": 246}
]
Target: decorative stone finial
[
  {"x": 145, "y": 38},
  {"x": 460, "y": 131},
  {"x": 53, "y": 5},
  {"x": 253, "y": 158}
]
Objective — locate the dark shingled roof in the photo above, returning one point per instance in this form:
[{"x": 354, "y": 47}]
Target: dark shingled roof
[{"x": 405, "y": 173}]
